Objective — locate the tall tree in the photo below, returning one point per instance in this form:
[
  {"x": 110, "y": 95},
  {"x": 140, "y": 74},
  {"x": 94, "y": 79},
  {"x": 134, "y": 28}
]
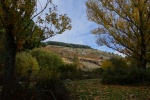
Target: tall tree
[
  {"x": 15, "y": 18},
  {"x": 124, "y": 25}
]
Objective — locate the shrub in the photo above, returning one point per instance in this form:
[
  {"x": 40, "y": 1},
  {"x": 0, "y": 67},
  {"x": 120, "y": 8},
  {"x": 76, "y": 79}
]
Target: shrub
[
  {"x": 26, "y": 66},
  {"x": 98, "y": 72},
  {"x": 53, "y": 88},
  {"x": 106, "y": 64},
  {"x": 90, "y": 74},
  {"x": 51, "y": 85},
  {"x": 115, "y": 72},
  {"x": 119, "y": 63},
  {"x": 49, "y": 64},
  {"x": 119, "y": 72},
  {"x": 24, "y": 91},
  {"x": 49, "y": 75},
  {"x": 137, "y": 75},
  {"x": 69, "y": 71},
  {"x": 47, "y": 59}
]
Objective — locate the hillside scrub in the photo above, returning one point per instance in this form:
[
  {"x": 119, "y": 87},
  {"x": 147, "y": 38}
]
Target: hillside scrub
[
  {"x": 117, "y": 71},
  {"x": 67, "y": 44}
]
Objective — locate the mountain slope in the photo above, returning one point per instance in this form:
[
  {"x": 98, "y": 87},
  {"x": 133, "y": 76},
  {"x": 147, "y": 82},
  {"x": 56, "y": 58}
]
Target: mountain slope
[{"x": 88, "y": 58}]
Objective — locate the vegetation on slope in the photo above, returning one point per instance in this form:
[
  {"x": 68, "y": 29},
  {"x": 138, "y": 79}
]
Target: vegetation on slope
[{"x": 67, "y": 44}]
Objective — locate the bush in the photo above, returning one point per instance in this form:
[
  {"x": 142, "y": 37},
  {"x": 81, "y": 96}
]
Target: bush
[
  {"x": 98, "y": 72},
  {"x": 49, "y": 75},
  {"x": 49, "y": 64},
  {"x": 90, "y": 74},
  {"x": 116, "y": 72},
  {"x": 69, "y": 71},
  {"x": 137, "y": 75},
  {"x": 24, "y": 91},
  {"x": 53, "y": 88},
  {"x": 47, "y": 85},
  {"x": 26, "y": 66},
  {"x": 47, "y": 59},
  {"x": 106, "y": 64}
]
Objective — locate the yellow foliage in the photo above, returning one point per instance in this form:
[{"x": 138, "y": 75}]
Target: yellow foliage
[
  {"x": 124, "y": 25},
  {"x": 106, "y": 64},
  {"x": 26, "y": 65}
]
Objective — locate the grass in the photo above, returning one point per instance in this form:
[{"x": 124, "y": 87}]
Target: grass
[{"x": 92, "y": 89}]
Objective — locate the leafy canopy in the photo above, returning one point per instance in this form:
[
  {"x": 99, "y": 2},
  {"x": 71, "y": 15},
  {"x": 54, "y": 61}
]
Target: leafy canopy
[
  {"x": 123, "y": 25},
  {"x": 27, "y": 22}
]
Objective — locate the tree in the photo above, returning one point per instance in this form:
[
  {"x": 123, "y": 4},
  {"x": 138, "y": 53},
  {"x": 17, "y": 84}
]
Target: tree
[
  {"x": 35, "y": 40},
  {"x": 15, "y": 18},
  {"x": 124, "y": 25}
]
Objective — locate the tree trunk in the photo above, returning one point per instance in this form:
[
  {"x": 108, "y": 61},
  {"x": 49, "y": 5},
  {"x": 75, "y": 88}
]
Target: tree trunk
[
  {"x": 9, "y": 72},
  {"x": 142, "y": 67},
  {"x": 143, "y": 64}
]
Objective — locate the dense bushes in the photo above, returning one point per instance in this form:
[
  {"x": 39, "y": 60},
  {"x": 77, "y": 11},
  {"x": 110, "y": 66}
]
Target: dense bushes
[
  {"x": 117, "y": 71},
  {"x": 49, "y": 64},
  {"x": 54, "y": 87},
  {"x": 44, "y": 69},
  {"x": 47, "y": 59},
  {"x": 26, "y": 66},
  {"x": 68, "y": 71},
  {"x": 41, "y": 75},
  {"x": 137, "y": 75}
]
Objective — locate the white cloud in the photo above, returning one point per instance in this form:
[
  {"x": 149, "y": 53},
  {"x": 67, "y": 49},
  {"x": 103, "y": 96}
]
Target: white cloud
[{"x": 116, "y": 52}]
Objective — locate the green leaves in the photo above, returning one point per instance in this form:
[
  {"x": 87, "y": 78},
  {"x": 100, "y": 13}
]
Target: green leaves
[{"x": 26, "y": 65}]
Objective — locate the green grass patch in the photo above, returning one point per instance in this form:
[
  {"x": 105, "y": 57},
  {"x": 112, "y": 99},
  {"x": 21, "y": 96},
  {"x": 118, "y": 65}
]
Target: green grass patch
[{"x": 92, "y": 89}]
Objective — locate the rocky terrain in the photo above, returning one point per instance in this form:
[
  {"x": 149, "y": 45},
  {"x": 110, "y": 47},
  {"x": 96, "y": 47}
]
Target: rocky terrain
[{"x": 88, "y": 58}]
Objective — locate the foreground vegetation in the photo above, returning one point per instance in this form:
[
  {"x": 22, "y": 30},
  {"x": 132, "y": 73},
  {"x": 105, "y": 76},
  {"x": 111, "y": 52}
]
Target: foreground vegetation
[
  {"x": 43, "y": 75},
  {"x": 92, "y": 89},
  {"x": 39, "y": 76},
  {"x": 123, "y": 71}
]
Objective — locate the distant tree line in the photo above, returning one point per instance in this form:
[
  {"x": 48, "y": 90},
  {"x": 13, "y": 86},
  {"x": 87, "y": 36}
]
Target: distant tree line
[{"x": 67, "y": 44}]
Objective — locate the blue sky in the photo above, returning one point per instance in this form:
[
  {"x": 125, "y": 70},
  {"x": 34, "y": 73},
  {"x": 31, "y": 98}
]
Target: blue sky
[{"x": 81, "y": 27}]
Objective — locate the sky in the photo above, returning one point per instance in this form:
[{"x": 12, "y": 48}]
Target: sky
[{"x": 81, "y": 27}]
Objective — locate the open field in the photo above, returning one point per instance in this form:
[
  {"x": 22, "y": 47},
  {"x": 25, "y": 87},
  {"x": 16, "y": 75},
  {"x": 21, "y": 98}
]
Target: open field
[{"x": 92, "y": 89}]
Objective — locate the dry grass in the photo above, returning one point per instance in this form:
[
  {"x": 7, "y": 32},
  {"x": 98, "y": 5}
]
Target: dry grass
[
  {"x": 89, "y": 58},
  {"x": 94, "y": 90}
]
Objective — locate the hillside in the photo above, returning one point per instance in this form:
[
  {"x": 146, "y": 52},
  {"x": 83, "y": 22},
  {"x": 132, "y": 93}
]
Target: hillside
[
  {"x": 88, "y": 58},
  {"x": 55, "y": 43}
]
